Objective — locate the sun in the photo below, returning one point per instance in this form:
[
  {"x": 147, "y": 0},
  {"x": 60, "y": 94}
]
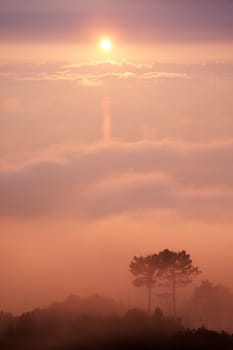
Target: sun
[{"x": 105, "y": 45}]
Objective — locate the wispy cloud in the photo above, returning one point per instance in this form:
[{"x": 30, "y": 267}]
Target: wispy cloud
[
  {"x": 94, "y": 73},
  {"x": 87, "y": 74}
]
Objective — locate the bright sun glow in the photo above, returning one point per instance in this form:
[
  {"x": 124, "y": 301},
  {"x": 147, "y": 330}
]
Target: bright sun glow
[{"x": 106, "y": 45}]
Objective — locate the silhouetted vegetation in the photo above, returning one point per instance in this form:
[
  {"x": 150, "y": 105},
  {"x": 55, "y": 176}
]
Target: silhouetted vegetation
[
  {"x": 165, "y": 268},
  {"x": 146, "y": 271},
  {"x": 100, "y": 323},
  {"x": 212, "y": 306}
]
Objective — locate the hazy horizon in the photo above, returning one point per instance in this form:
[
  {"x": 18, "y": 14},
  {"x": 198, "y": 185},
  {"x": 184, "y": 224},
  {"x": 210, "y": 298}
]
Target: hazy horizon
[{"x": 110, "y": 154}]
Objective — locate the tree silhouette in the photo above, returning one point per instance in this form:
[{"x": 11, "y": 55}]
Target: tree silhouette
[
  {"x": 169, "y": 267},
  {"x": 211, "y": 305},
  {"x": 176, "y": 268},
  {"x": 146, "y": 270}
]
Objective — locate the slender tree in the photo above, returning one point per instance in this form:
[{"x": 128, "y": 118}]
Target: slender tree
[
  {"x": 145, "y": 270},
  {"x": 176, "y": 268}
]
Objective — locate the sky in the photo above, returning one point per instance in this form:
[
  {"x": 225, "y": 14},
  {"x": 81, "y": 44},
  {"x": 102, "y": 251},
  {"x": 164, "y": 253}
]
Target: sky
[{"x": 107, "y": 155}]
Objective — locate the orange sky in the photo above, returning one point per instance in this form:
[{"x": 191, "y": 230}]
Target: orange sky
[{"x": 105, "y": 155}]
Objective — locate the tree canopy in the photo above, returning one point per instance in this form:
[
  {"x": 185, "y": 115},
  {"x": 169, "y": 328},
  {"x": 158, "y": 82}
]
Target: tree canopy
[
  {"x": 146, "y": 270},
  {"x": 166, "y": 267}
]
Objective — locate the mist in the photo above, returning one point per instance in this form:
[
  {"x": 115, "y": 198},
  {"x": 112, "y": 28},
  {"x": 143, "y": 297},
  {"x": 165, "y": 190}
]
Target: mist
[{"x": 116, "y": 175}]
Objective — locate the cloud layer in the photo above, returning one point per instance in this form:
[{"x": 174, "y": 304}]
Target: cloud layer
[
  {"x": 194, "y": 180},
  {"x": 105, "y": 70},
  {"x": 87, "y": 74}
]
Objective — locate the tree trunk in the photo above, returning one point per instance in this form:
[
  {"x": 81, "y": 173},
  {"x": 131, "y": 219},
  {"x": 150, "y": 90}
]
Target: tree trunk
[
  {"x": 174, "y": 293},
  {"x": 149, "y": 300}
]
